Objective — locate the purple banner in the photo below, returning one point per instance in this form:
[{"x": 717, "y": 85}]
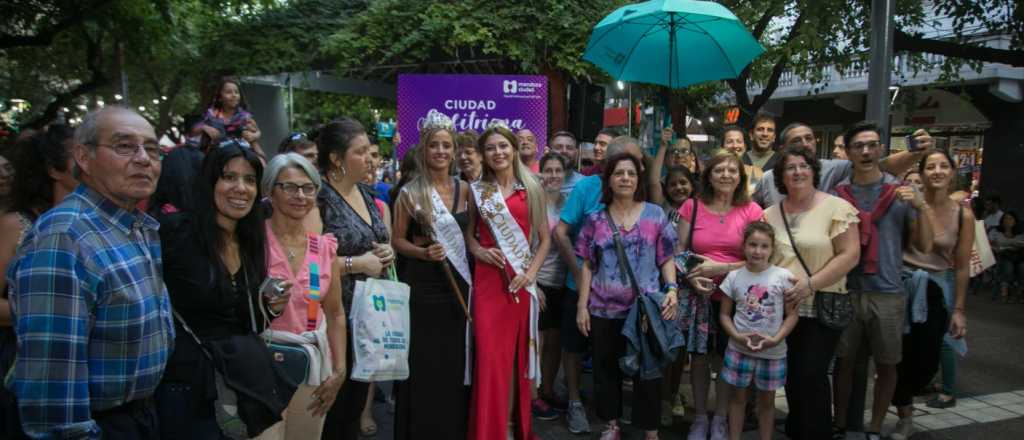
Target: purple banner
[{"x": 472, "y": 102}]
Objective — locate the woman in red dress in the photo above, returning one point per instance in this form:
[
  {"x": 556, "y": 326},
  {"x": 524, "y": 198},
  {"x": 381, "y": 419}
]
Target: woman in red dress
[{"x": 504, "y": 305}]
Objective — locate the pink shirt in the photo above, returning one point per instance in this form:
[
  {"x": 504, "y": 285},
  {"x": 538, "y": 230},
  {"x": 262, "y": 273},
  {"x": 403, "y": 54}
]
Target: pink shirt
[
  {"x": 718, "y": 238},
  {"x": 293, "y": 318}
]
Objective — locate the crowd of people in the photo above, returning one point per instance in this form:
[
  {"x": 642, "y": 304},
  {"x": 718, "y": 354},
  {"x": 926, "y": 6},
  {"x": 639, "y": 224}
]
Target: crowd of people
[{"x": 147, "y": 292}]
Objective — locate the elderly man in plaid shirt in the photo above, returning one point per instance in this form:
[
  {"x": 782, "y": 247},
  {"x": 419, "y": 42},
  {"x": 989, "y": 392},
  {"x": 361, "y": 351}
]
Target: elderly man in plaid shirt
[{"x": 92, "y": 315}]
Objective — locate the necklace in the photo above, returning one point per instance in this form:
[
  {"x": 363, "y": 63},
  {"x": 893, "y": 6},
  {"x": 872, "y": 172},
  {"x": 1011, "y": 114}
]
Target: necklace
[
  {"x": 721, "y": 215},
  {"x": 794, "y": 219}
]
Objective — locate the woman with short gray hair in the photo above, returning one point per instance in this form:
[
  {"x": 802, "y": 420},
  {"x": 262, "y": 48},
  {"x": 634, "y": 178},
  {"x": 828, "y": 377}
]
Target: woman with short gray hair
[{"x": 295, "y": 256}]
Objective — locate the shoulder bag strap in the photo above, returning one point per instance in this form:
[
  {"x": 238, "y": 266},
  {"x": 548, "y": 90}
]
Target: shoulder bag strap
[
  {"x": 792, "y": 242},
  {"x": 188, "y": 330},
  {"x": 693, "y": 222},
  {"x": 620, "y": 250}
]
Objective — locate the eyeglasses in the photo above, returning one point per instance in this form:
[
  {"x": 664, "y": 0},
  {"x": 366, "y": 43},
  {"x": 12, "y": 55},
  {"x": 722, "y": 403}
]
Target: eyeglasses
[
  {"x": 795, "y": 167},
  {"x": 128, "y": 149},
  {"x": 293, "y": 189},
  {"x": 870, "y": 145},
  {"x": 680, "y": 152}
]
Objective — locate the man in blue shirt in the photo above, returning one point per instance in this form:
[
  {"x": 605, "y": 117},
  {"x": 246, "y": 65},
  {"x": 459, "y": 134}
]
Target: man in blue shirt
[
  {"x": 584, "y": 200},
  {"x": 92, "y": 314}
]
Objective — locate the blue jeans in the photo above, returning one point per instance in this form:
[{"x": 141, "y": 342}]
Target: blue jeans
[{"x": 1008, "y": 270}]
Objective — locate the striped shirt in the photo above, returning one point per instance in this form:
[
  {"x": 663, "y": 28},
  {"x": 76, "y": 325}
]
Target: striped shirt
[{"x": 92, "y": 315}]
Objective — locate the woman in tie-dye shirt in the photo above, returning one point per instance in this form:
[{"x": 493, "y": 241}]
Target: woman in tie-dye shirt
[{"x": 606, "y": 293}]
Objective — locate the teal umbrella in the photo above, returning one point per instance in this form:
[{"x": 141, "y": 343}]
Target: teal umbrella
[{"x": 674, "y": 43}]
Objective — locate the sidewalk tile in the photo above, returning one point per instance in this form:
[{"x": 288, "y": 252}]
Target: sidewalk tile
[
  {"x": 1001, "y": 399},
  {"x": 986, "y": 415},
  {"x": 1015, "y": 408},
  {"x": 968, "y": 404},
  {"x": 941, "y": 421}
]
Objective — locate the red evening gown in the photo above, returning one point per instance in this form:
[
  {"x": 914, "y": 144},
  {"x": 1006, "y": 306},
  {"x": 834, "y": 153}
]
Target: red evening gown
[{"x": 501, "y": 342}]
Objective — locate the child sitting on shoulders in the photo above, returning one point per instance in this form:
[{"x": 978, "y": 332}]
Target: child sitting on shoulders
[{"x": 757, "y": 333}]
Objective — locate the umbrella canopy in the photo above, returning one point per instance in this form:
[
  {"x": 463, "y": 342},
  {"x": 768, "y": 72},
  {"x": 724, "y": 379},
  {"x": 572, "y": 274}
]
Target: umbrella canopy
[{"x": 674, "y": 43}]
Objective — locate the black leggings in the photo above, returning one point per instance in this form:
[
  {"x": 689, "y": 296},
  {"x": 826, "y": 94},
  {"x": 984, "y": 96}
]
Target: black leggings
[
  {"x": 921, "y": 349},
  {"x": 608, "y": 346},
  {"x": 809, "y": 351}
]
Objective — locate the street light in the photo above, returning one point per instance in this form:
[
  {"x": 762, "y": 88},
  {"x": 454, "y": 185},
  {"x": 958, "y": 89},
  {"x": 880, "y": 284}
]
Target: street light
[
  {"x": 156, "y": 101},
  {"x": 711, "y": 119},
  {"x": 118, "y": 97},
  {"x": 163, "y": 97},
  {"x": 620, "y": 85},
  {"x": 142, "y": 108}
]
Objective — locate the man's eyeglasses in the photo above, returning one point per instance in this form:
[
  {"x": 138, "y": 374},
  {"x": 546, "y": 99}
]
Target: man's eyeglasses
[
  {"x": 128, "y": 149},
  {"x": 293, "y": 189}
]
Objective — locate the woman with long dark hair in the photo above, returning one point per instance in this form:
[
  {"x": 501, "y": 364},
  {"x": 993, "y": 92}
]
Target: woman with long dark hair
[
  {"x": 214, "y": 263},
  {"x": 936, "y": 285},
  {"x": 350, "y": 212},
  {"x": 45, "y": 179},
  {"x": 228, "y": 116}
]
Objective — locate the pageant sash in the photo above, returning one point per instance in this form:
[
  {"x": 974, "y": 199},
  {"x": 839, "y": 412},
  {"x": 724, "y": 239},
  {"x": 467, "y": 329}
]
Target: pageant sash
[
  {"x": 516, "y": 248},
  {"x": 449, "y": 235}
]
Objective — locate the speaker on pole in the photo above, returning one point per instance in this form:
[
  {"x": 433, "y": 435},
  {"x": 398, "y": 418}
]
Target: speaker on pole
[{"x": 586, "y": 110}]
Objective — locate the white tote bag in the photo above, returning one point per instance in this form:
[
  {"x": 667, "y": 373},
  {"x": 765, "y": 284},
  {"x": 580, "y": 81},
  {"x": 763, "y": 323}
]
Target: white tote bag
[
  {"x": 380, "y": 330},
  {"x": 981, "y": 254}
]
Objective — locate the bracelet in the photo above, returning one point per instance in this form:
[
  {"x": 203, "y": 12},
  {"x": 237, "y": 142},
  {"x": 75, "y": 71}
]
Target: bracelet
[
  {"x": 959, "y": 309},
  {"x": 348, "y": 265},
  {"x": 671, "y": 286}
]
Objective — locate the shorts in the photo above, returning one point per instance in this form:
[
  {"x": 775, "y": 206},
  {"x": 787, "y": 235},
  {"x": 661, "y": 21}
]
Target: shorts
[
  {"x": 572, "y": 340},
  {"x": 878, "y": 321},
  {"x": 738, "y": 369},
  {"x": 554, "y": 302}
]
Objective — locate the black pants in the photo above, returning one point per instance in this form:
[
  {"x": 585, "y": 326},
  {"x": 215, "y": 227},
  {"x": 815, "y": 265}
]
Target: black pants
[
  {"x": 135, "y": 420},
  {"x": 342, "y": 420},
  {"x": 810, "y": 348},
  {"x": 608, "y": 345},
  {"x": 921, "y": 348}
]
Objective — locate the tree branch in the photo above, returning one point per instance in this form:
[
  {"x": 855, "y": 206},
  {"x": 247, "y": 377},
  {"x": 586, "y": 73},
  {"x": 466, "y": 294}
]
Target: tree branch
[
  {"x": 99, "y": 79},
  {"x": 46, "y": 35},
  {"x": 903, "y": 41}
]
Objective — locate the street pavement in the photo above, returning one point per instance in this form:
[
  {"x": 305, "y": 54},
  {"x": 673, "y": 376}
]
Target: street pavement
[{"x": 990, "y": 389}]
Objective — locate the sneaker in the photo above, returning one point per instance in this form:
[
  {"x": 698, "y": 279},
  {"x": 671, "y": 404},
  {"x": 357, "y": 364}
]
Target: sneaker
[
  {"x": 611, "y": 433},
  {"x": 678, "y": 408},
  {"x": 904, "y": 429},
  {"x": 699, "y": 428},
  {"x": 542, "y": 411},
  {"x": 557, "y": 403},
  {"x": 577, "y": 418},
  {"x": 872, "y": 436},
  {"x": 719, "y": 428},
  {"x": 939, "y": 403},
  {"x": 666, "y": 413}
]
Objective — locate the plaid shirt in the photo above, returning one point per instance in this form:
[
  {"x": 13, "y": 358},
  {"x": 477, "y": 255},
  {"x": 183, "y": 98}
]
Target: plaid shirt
[{"x": 92, "y": 315}]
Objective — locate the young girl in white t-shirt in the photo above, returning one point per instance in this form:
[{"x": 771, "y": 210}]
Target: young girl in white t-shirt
[{"x": 757, "y": 332}]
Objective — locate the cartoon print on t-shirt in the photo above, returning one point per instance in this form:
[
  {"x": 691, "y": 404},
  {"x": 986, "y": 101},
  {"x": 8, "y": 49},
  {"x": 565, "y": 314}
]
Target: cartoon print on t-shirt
[{"x": 759, "y": 304}]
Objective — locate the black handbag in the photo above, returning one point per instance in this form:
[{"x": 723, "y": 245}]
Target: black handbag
[{"x": 833, "y": 310}]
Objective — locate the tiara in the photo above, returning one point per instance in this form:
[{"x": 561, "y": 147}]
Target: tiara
[
  {"x": 497, "y": 123},
  {"x": 438, "y": 120}
]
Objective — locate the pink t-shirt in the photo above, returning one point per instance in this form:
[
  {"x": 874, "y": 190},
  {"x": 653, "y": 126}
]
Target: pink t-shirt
[
  {"x": 293, "y": 318},
  {"x": 718, "y": 238}
]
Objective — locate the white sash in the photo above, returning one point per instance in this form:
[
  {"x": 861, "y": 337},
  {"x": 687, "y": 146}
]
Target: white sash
[
  {"x": 516, "y": 248},
  {"x": 448, "y": 234}
]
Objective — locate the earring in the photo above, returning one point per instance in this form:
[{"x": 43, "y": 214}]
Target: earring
[
  {"x": 343, "y": 171},
  {"x": 333, "y": 174}
]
